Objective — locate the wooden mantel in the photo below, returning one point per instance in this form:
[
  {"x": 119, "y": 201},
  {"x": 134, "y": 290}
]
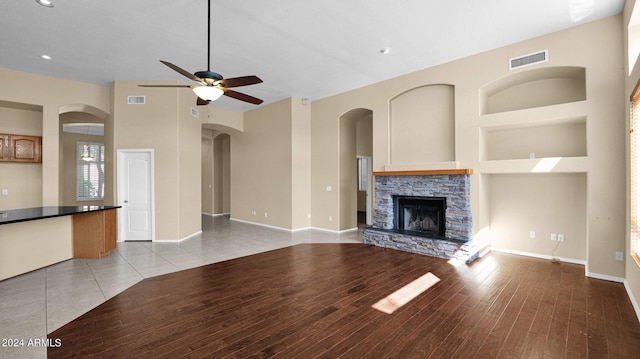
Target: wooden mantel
[{"x": 463, "y": 171}]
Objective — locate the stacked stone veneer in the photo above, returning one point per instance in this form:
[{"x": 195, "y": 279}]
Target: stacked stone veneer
[{"x": 458, "y": 220}]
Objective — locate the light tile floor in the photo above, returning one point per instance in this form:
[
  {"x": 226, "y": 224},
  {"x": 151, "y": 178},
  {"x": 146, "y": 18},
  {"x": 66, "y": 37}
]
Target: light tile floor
[{"x": 37, "y": 303}]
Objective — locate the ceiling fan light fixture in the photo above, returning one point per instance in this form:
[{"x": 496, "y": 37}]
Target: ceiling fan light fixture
[
  {"x": 45, "y": 3},
  {"x": 209, "y": 93}
]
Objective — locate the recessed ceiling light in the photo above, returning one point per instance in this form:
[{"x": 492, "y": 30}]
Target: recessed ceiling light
[
  {"x": 385, "y": 50},
  {"x": 46, "y": 3},
  {"x": 46, "y": 57}
]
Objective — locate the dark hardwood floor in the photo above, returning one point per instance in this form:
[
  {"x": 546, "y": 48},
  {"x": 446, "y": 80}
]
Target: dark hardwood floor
[{"x": 314, "y": 300}]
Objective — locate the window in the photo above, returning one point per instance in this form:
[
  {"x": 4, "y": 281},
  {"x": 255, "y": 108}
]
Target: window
[{"x": 89, "y": 171}]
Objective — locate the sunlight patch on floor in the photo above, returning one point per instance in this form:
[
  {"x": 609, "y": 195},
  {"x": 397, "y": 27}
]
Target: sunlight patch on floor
[{"x": 405, "y": 294}]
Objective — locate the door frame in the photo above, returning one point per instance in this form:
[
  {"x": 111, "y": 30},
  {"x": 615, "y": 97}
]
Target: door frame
[{"x": 120, "y": 195}]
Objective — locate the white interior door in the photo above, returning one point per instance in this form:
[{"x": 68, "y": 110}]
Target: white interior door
[{"x": 135, "y": 195}]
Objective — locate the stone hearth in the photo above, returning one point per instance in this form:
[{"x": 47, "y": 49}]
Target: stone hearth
[{"x": 454, "y": 185}]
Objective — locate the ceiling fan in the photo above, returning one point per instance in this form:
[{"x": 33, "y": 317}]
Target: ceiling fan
[{"x": 211, "y": 84}]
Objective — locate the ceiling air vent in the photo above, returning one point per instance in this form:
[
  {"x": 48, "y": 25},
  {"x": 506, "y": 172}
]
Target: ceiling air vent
[
  {"x": 528, "y": 59},
  {"x": 135, "y": 100}
]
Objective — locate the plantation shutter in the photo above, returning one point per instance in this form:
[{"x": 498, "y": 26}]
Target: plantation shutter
[{"x": 89, "y": 171}]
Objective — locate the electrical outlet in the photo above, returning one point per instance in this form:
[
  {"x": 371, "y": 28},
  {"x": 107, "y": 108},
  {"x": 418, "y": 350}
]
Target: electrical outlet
[
  {"x": 266, "y": 215},
  {"x": 532, "y": 234},
  {"x": 560, "y": 237},
  {"x": 619, "y": 256},
  {"x": 330, "y": 218},
  {"x": 554, "y": 237},
  {"x": 5, "y": 192}
]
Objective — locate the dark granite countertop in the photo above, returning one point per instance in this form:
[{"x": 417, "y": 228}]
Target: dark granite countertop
[{"x": 31, "y": 214}]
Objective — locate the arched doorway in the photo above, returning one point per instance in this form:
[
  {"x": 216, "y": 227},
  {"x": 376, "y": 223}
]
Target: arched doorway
[
  {"x": 356, "y": 147},
  {"x": 216, "y": 174}
]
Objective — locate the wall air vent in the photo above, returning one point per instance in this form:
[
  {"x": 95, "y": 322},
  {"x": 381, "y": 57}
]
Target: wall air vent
[
  {"x": 528, "y": 59},
  {"x": 194, "y": 112},
  {"x": 135, "y": 100}
]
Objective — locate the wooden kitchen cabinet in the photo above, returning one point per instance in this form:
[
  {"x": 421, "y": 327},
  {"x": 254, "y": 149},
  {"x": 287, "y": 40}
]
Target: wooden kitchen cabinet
[
  {"x": 4, "y": 148},
  {"x": 25, "y": 148},
  {"x": 20, "y": 148},
  {"x": 94, "y": 234}
]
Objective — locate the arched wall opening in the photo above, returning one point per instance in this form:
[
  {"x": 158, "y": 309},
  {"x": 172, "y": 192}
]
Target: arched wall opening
[
  {"x": 356, "y": 145},
  {"x": 83, "y": 123},
  {"x": 216, "y": 172}
]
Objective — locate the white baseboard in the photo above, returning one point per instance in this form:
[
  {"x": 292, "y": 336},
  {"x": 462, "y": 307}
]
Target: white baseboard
[
  {"x": 261, "y": 224},
  {"x": 536, "y": 255},
  {"x": 634, "y": 302},
  {"x": 215, "y": 214},
  {"x": 176, "y": 240},
  {"x": 333, "y": 230},
  {"x": 295, "y": 230},
  {"x": 610, "y": 278}
]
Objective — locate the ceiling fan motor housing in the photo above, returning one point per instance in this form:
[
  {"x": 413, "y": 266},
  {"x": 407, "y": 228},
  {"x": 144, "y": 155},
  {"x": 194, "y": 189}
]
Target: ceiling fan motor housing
[{"x": 209, "y": 77}]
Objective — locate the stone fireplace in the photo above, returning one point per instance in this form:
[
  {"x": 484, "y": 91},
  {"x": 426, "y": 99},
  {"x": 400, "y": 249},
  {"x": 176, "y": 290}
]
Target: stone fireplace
[{"x": 425, "y": 212}]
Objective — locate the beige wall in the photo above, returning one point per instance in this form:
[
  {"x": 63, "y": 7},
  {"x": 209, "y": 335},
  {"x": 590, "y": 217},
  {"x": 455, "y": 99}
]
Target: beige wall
[
  {"x": 632, "y": 270},
  {"x": 602, "y": 132},
  {"x": 300, "y": 163},
  {"x": 542, "y": 203},
  {"x": 261, "y": 166}
]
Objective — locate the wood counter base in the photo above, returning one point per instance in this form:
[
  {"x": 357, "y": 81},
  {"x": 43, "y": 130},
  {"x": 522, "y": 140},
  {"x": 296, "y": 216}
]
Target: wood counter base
[{"x": 94, "y": 234}]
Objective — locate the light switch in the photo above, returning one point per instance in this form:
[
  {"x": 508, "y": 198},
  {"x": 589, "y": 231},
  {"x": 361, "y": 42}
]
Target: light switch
[
  {"x": 5, "y": 192},
  {"x": 328, "y": 188}
]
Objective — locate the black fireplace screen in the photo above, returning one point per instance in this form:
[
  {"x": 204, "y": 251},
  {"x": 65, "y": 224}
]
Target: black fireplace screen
[{"x": 425, "y": 215}]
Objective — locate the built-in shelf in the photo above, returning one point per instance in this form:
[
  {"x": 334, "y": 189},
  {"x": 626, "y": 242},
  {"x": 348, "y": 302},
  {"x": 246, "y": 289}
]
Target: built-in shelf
[
  {"x": 463, "y": 171},
  {"x": 538, "y": 165},
  {"x": 540, "y": 87},
  {"x": 546, "y": 115}
]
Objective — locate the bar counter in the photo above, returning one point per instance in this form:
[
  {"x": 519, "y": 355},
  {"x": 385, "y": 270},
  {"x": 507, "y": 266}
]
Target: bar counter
[
  {"x": 35, "y": 213},
  {"x": 33, "y": 238}
]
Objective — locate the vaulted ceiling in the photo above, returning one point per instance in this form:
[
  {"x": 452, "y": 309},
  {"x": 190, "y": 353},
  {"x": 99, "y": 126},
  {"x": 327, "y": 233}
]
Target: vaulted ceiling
[{"x": 306, "y": 49}]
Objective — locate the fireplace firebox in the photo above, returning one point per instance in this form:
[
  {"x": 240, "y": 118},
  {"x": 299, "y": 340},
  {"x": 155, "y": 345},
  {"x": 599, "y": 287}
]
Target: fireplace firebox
[{"x": 420, "y": 215}]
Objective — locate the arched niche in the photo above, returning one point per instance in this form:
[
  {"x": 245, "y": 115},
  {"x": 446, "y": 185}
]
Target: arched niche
[
  {"x": 422, "y": 125},
  {"x": 534, "y": 88}
]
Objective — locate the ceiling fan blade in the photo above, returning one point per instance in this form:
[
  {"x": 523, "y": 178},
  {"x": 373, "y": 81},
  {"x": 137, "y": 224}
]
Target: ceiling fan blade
[
  {"x": 240, "y": 81},
  {"x": 202, "y": 102},
  {"x": 181, "y": 86},
  {"x": 242, "y": 97},
  {"x": 181, "y": 71}
]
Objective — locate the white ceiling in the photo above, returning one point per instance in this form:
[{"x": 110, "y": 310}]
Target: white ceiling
[{"x": 307, "y": 49}]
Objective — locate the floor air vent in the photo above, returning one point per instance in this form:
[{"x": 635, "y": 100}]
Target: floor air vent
[
  {"x": 135, "y": 100},
  {"x": 528, "y": 59}
]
